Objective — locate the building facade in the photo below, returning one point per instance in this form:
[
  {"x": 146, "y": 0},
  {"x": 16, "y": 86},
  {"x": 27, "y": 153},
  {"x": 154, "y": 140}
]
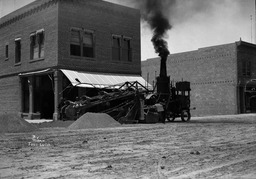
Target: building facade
[
  {"x": 41, "y": 40},
  {"x": 222, "y": 77}
]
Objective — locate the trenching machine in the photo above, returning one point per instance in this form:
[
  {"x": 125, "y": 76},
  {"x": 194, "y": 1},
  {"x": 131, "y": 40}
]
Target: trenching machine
[{"x": 132, "y": 102}]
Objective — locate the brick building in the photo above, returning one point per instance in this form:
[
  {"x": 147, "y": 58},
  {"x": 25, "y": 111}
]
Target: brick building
[
  {"x": 50, "y": 45},
  {"x": 222, "y": 77}
]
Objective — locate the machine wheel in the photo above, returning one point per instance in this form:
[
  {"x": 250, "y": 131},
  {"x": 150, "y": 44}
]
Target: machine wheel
[
  {"x": 185, "y": 116},
  {"x": 170, "y": 116}
]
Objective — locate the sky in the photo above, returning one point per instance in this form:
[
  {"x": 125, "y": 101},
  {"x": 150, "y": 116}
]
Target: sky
[{"x": 195, "y": 23}]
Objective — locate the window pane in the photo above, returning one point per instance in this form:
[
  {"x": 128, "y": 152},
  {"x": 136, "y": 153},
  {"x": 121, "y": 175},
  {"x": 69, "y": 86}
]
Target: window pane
[
  {"x": 41, "y": 53},
  {"x": 116, "y": 53},
  {"x": 32, "y": 46},
  {"x": 88, "y": 52},
  {"x": 126, "y": 52},
  {"x": 75, "y": 37},
  {"x": 126, "y": 44},
  {"x": 36, "y": 52},
  {"x": 40, "y": 38},
  {"x": 88, "y": 39},
  {"x": 6, "y": 51},
  {"x": 17, "y": 51},
  {"x": 116, "y": 49},
  {"x": 116, "y": 42},
  {"x": 75, "y": 48}
]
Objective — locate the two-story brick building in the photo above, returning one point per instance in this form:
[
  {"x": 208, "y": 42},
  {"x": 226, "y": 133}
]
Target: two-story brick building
[
  {"x": 222, "y": 77},
  {"x": 50, "y": 45}
]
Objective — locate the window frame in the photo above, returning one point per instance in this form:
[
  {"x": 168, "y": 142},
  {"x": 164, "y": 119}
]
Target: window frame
[
  {"x": 81, "y": 37},
  {"x": 129, "y": 49},
  {"x": 17, "y": 51},
  {"x": 6, "y": 51},
  {"x": 118, "y": 48},
  {"x": 37, "y": 40}
]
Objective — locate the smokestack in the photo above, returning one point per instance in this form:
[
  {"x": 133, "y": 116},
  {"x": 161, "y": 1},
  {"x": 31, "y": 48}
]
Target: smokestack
[{"x": 155, "y": 13}]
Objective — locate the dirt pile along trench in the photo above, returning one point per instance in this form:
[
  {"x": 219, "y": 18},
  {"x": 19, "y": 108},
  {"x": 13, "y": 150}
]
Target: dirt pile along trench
[
  {"x": 94, "y": 120},
  {"x": 12, "y": 123}
]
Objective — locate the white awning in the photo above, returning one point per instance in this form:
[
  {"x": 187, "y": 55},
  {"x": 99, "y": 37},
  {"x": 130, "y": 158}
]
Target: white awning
[{"x": 103, "y": 80}]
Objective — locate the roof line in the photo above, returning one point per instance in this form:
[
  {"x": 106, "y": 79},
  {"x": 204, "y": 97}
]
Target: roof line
[{"x": 29, "y": 12}]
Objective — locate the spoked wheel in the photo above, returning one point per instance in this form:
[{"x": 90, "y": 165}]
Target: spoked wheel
[
  {"x": 170, "y": 116},
  {"x": 185, "y": 116}
]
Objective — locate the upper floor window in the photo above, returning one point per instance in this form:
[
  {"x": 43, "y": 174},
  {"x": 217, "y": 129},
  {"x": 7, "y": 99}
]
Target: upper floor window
[
  {"x": 121, "y": 48},
  {"x": 37, "y": 45},
  {"x": 17, "y": 50},
  {"x": 246, "y": 68},
  {"x": 126, "y": 49},
  {"x": 82, "y": 43},
  {"x": 116, "y": 48},
  {"x": 6, "y": 51}
]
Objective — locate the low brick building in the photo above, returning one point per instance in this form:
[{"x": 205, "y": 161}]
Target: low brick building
[
  {"x": 222, "y": 77},
  {"x": 49, "y": 45}
]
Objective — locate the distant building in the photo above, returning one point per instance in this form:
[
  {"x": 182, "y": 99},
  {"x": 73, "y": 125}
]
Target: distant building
[
  {"x": 50, "y": 45},
  {"x": 223, "y": 78}
]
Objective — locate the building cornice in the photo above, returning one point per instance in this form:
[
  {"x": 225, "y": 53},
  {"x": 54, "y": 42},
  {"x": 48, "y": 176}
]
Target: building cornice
[
  {"x": 49, "y": 3},
  {"x": 27, "y": 13}
]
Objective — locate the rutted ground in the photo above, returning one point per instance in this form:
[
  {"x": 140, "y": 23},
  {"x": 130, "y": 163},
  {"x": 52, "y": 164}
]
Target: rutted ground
[{"x": 204, "y": 148}]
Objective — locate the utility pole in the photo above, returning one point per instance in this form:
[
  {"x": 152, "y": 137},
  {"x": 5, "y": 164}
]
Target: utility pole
[{"x": 251, "y": 27}]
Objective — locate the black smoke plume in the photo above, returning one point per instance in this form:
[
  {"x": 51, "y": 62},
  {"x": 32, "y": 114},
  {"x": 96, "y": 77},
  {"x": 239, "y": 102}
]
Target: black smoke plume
[{"x": 156, "y": 14}]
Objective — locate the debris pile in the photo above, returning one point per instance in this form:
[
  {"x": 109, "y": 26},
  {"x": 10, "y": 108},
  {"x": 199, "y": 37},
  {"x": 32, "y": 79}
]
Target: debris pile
[
  {"x": 94, "y": 120},
  {"x": 12, "y": 123}
]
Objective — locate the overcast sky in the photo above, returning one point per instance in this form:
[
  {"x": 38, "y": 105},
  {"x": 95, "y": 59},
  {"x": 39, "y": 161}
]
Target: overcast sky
[{"x": 195, "y": 23}]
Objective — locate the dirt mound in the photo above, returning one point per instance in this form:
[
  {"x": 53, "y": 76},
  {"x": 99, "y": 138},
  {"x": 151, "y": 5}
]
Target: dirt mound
[
  {"x": 13, "y": 123},
  {"x": 94, "y": 120}
]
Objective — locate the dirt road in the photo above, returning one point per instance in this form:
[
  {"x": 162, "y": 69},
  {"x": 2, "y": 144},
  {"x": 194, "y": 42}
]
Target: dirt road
[{"x": 214, "y": 147}]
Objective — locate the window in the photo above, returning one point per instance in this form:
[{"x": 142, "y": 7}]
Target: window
[
  {"x": 37, "y": 45},
  {"x": 75, "y": 48},
  {"x": 126, "y": 50},
  {"x": 17, "y": 50},
  {"x": 82, "y": 43},
  {"x": 116, "y": 47},
  {"x": 246, "y": 68},
  {"x": 6, "y": 52},
  {"x": 88, "y": 45}
]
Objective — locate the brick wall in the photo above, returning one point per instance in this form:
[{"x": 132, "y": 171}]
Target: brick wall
[
  {"x": 9, "y": 95},
  {"x": 42, "y": 18},
  {"x": 212, "y": 72},
  {"x": 246, "y": 52},
  {"x": 104, "y": 19}
]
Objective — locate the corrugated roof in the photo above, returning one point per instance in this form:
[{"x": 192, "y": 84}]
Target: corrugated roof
[{"x": 101, "y": 80}]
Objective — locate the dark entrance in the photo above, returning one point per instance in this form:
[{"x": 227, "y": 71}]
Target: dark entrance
[{"x": 44, "y": 96}]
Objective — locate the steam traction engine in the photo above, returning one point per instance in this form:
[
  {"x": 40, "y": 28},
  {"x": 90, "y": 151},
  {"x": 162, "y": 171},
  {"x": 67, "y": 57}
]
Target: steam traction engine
[{"x": 170, "y": 100}]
